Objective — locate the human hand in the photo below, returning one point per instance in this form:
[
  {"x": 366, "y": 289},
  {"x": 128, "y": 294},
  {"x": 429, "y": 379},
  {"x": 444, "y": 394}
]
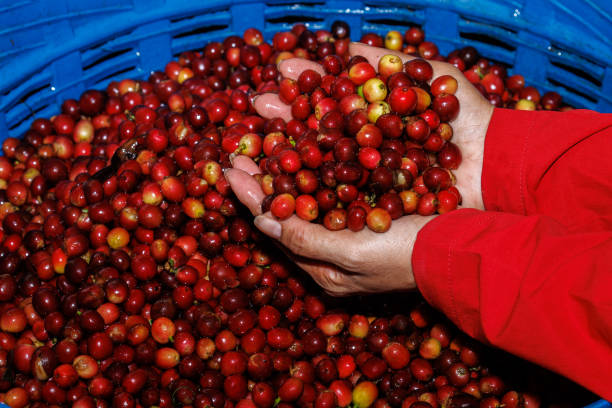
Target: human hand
[
  {"x": 341, "y": 262},
  {"x": 469, "y": 128},
  {"x": 346, "y": 262}
]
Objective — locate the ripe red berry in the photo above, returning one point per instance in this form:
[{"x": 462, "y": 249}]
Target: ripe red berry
[
  {"x": 308, "y": 81},
  {"x": 419, "y": 70},
  {"x": 378, "y": 220},
  {"x": 283, "y": 206},
  {"x": 361, "y": 72}
]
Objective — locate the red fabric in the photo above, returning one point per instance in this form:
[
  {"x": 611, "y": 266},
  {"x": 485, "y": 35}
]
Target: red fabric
[{"x": 533, "y": 274}]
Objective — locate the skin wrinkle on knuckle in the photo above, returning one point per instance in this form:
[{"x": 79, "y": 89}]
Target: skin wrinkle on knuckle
[
  {"x": 297, "y": 240},
  {"x": 336, "y": 278},
  {"x": 343, "y": 284},
  {"x": 318, "y": 274},
  {"x": 351, "y": 258},
  {"x": 331, "y": 284}
]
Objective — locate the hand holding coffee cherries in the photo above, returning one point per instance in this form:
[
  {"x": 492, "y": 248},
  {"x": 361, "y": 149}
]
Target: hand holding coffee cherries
[
  {"x": 345, "y": 262},
  {"x": 468, "y": 128},
  {"x": 341, "y": 262}
]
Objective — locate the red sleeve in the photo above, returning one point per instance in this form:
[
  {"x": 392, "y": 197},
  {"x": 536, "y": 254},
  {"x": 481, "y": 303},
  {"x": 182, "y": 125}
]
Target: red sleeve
[{"x": 533, "y": 274}]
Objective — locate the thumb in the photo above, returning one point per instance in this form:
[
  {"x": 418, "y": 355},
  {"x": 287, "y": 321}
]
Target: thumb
[
  {"x": 308, "y": 239},
  {"x": 292, "y": 68},
  {"x": 245, "y": 164},
  {"x": 247, "y": 189},
  {"x": 270, "y": 106}
]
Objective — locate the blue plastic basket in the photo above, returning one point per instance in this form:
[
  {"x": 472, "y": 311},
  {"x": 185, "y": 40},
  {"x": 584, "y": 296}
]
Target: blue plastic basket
[
  {"x": 54, "y": 49},
  {"x": 51, "y": 50}
]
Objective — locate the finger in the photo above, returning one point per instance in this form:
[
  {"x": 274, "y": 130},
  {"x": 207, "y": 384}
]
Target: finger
[
  {"x": 311, "y": 240},
  {"x": 270, "y": 106},
  {"x": 246, "y": 164},
  {"x": 292, "y": 68},
  {"x": 247, "y": 189},
  {"x": 374, "y": 54},
  {"x": 329, "y": 277}
]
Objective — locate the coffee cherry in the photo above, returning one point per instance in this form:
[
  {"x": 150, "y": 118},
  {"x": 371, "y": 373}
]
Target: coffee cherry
[
  {"x": 283, "y": 206},
  {"x": 419, "y": 70},
  {"x": 308, "y": 81}
]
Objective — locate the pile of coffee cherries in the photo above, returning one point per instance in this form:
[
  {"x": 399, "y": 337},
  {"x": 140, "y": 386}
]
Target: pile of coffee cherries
[
  {"x": 490, "y": 78},
  {"x": 363, "y": 148},
  {"x": 367, "y": 146},
  {"x": 130, "y": 276}
]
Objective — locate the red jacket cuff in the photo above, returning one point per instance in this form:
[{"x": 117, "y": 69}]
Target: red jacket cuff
[
  {"x": 504, "y": 160},
  {"x": 449, "y": 280}
]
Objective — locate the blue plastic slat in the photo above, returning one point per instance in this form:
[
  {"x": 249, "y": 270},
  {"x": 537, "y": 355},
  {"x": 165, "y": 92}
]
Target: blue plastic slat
[
  {"x": 441, "y": 26},
  {"x": 107, "y": 58},
  {"x": 587, "y": 66},
  {"x": 579, "y": 84},
  {"x": 12, "y": 98},
  {"x": 28, "y": 96},
  {"x": 581, "y": 23},
  {"x": 153, "y": 49},
  {"x": 298, "y": 10},
  {"x": 310, "y": 12},
  {"x": 44, "y": 110},
  {"x": 605, "y": 104},
  {"x": 247, "y": 15},
  {"x": 377, "y": 18},
  {"x": 529, "y": 62},
  {"x": 102, "y": 70},
  {"x": 506, "y": 55},
  {"x": 220, "y": 19},
  {"x": 66, "y": 81},
  {"x": 185, "y": 44},
  {"x": 4, "y": 131},
  {"x": 402, "y": 14},
  {"x": 17, "y": 33}
]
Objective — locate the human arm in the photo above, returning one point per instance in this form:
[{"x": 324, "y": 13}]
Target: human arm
[{"x": 535, "y": 278}]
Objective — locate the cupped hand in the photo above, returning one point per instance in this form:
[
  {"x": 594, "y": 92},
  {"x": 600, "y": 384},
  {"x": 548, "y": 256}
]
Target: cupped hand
[
  {"x": 346, "y": 262},
  {"x": 469, "y": 128},
  {"x": 341, "y": 262}
]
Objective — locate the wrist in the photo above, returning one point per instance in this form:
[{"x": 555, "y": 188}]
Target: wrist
[
  {"x": 469, "y": 173},
  {"x": 419, "y": 223}
]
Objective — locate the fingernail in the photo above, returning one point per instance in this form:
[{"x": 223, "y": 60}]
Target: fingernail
[
  {"x": 231, "y": 158},
  {"x": 268, "y": 226}
]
